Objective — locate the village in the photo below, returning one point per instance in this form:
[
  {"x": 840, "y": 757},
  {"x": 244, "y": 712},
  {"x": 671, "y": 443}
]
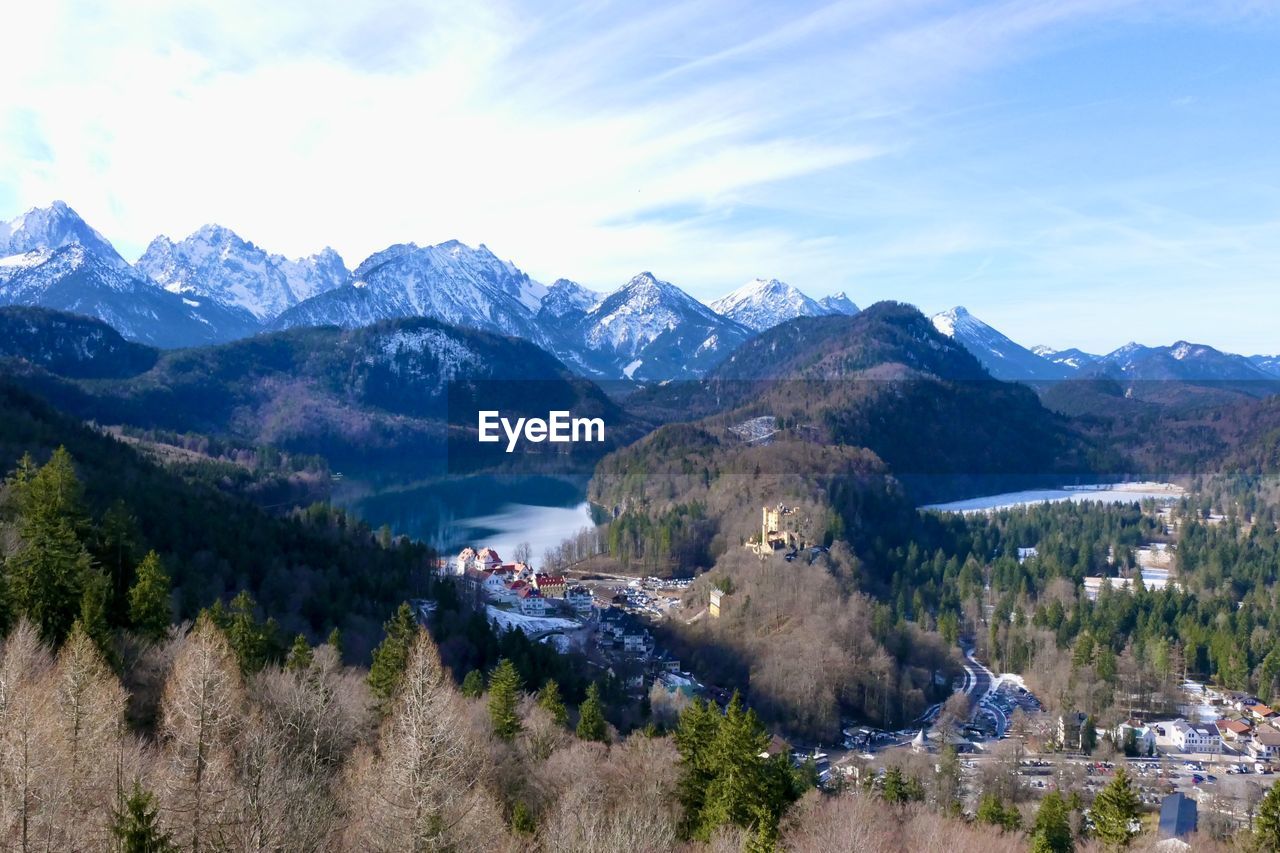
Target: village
[
  {"x": 604, "y": 618},
  {"x": 1216, "y": 758}
]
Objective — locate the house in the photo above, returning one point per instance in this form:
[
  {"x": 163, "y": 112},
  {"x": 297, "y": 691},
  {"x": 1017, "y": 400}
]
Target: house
[
  {"x": 466, "y": 560},
  {"x": 473, "y": 580},
  {"x": 1177, "y": 817},
  {"x": 713, "y": 608},
  {"x": 637, "y": 641},
  {"x": 1265, "y": 745},
  {"x": 579, "y": 598},
  {"x": 1025, "y": 554},
  {"x": 1194, "y": 737},
  {"x": 1144, "y": 737},
  {"x": 1259, "y": 712},
  {"x": 1232, "y": 731},
  {"x": 1070, "y": 726},
  {"x": 531, "y": 602},
  {"x": 551, "y": 586},
  {"x": 487, "y": 558}
]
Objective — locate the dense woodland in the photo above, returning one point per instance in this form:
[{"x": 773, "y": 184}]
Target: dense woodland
[{"x": 183, "y": 670}]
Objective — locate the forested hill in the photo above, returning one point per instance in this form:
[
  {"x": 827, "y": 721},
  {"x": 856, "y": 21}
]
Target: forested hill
[
  {"x": 70, "y": 345},
  {"x": 888, "y": 381},
  {"x": 312, "y": 572},
  {"x": 376, "y": 396},
  {"x": 839, "y": 347}
]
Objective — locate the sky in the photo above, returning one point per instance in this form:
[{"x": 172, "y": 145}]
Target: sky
[{"x": 1075, "y": 172}]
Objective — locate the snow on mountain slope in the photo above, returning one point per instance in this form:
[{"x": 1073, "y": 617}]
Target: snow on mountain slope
[
  {"x": 1182, "y": 361},
  {"x": 451, "y": 282},
  {"x": 1002, "y": 357},
  {"x": 53, "y": 227},
  {"x": 764, "y": 303},
  {"x": 1074, "y": 358},
  {"x": 80, "y": 280},
  {"x": 657, "y": 324},
  {"x": 566, "y": 297},
  {"x": 1267, "y": 363},
  {"x": 216, "y": 263},
  {"x": 838, "y": 303}
]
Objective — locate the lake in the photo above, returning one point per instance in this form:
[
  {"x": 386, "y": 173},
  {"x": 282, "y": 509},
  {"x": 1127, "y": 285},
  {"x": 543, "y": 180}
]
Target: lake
[
  {"x": 1104, "y": 493},
  {"x": 495, "y": 511}
]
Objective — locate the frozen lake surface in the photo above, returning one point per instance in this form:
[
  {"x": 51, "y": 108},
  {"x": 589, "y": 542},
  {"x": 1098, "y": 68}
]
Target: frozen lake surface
[{"x": 1104, "y": 493}]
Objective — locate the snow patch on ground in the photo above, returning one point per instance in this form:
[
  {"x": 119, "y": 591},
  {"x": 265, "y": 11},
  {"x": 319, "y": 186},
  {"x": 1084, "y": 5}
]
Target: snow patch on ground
[{"x": 529, "y": 624}]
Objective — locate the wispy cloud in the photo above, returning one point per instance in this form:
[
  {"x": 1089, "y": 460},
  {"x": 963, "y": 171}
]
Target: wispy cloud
[{"x": 930, "y": 150}]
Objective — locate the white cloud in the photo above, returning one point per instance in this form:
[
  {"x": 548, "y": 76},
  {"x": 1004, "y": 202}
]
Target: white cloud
[{"x": 709, "y": 142}]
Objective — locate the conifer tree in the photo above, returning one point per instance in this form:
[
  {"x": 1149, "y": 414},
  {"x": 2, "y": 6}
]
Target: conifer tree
[
  {"x": 6, "y": 611},
  {"x": 335, "y": 640},
  {"x": 894, "y": 789},
  {"x": 1114, "y": 808},
  {"x": 1266, "y": 829},
  {"x": 249, "y": 639},
  {"x": 504, "y": 700},
  {"x": 473, "y": 684},
  {"x": 1052, "y": 830},
  {"x": 391, "y": 656},
  {"x": 46, "y": 575},
  {"x": 93, "y": 613},
  {"x": 549, "y": 699},
  {"x": 740, "y": 788},
  {"x": 522, "y": 820},
  {"x": 300, "y": 655},
  {"x": 591, "y": 722},
  {"x": 115, "y": 550},
  {"x": 149, "y": 610},
  {"x": 136, "y": 826},
  {"x": 695, "y": 732}
]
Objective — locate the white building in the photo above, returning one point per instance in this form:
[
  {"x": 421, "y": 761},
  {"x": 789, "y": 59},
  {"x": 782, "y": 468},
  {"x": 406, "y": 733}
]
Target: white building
[
  {"x": 531, "y": 602},
  {"x": 579, "y": 598},
  {"x": 1194, "y": 737},
  {"x": 1144, "y": 736}
]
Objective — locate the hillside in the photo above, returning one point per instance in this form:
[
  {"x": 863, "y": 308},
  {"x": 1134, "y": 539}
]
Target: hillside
[
  {"x": 312, "y": 572},
  {"x": 70, "y": 345},
  {"x": 886, "y": 380},
  {"x": 385, "y": 395}
]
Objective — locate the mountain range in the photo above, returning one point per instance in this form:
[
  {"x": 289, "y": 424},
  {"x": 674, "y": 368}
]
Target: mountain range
[
  {"x": 214, "y": 286},
  {"x": 764, "y": 303},
  {"x": 393, "y": 393},
  {"x": 1179, "y": 362}
]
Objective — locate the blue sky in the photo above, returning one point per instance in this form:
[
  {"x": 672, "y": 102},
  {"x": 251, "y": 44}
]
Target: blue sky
[{"x": 1078, "y": 173}]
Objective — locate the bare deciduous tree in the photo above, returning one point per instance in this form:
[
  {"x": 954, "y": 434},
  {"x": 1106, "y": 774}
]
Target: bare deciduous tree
[
  {"x": 418, "y": 791},
  {"x": 201, "y": 714}
]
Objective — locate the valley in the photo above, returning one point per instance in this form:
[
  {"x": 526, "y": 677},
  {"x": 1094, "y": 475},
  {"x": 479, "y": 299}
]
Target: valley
[{"x": 888, "y": 538}]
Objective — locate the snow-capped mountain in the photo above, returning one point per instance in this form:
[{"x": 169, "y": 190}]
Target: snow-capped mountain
[
  {"x": 53, "y": 259},
  {"x": 1267, "y": 363},
  {"x": 764, "y": 303},
  {"x": 1181, "y": 361},
  {"x": 53, "y": 227},
  {"x": 215, "y": 263},
  {"x": 838, "y": 303},
  {"x": 651, "y": 329},
  {"x": 77, "y": 279},
  {"x": 565, "y": 298},
  {"x": 1002, "y": 357},
  {"x": 451, "y": 282},
  {"x": 1073, "y": 358}
]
